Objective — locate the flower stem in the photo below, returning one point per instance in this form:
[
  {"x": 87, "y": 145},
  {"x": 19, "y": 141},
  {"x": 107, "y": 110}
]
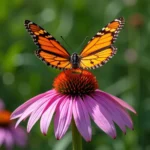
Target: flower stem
[{"x": 76, "y": 137}]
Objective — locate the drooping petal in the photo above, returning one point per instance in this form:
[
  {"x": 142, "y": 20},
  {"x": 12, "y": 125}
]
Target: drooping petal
[
  {"x": 121, "y": 116},
  {"x": 114, "y": 98},
  {"x": 31, "y": 108},
  {"x": 112, "y": 110},
  {"x": 2, "y": 135},
  {"x": 18, "y": 112},
  {"x": 81, "y": 118},
  {"x": 123, "y": 103},
  {"x": 63, "y": 117},
  {"x": 48, "y": 113},
  {"x": 36, "y": 114},
  {"x": 100, "y": 116},
  {"x": 19, "y": 135},
  {"x": 9, "y": 140}
]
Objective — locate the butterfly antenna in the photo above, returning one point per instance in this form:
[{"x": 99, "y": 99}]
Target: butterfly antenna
[
  {"x": 82, "y": 43},
  {"x": 65, "y": 42}
]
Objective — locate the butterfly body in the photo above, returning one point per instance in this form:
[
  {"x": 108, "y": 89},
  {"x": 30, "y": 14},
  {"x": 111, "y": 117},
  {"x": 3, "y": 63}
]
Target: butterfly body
[
  {"x": 75, "y": 60},
  {"x": 95, "y": 54}
]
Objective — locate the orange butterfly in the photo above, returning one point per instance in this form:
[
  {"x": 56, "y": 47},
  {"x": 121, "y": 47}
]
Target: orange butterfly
[{"x": 95, "y": 54}]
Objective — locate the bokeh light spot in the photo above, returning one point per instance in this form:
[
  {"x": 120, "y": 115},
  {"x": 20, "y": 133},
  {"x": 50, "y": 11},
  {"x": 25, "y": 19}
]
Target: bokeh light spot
[
  {"x": 8, "y": 78},
  {"x": 48, "y": 15}
]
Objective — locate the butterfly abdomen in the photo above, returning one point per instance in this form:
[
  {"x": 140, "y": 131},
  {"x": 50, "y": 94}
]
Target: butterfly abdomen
[{"x": 75, "y": 60}]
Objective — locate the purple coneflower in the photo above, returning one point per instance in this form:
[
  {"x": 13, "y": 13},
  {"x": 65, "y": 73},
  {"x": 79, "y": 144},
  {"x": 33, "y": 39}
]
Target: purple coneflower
[
  {"x": 9, "y": 136},
  {"x": 75, "y": 97}
]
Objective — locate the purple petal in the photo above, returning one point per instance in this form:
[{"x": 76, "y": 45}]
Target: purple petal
[
  {"x": 18, "y": 112},
  {"x": 19, "y": 135},
  {"x": 63, "y": 117},
  {"x": 100, "y": 116},
  {"x": 2, "y": 135},
  {"x": 114, "y": 98},
  {"x": 120, "y": 115},
  {"x": 48, "y": 113},
  {"x": 81, "y": 118},
  {"x": 32, "y": 108},
  {"x": 112, "y": 110},
  {"x": 9, "y": 140},
  {"x": 36, "y": 114}
]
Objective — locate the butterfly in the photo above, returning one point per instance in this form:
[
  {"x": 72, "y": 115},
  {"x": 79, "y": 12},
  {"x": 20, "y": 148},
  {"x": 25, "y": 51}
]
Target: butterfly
[{"x": 95, "y": 54}]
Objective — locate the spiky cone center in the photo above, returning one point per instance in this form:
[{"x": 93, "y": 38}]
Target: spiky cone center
[
  {"x": 5, "y": 118},
  {"x": 75, "y": 82}
]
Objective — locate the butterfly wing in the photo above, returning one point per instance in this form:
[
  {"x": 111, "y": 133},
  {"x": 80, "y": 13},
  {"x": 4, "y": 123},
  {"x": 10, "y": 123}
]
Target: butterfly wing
[
  {"x": 50, "y": 51},
  {"x": 100, "y": 49}
]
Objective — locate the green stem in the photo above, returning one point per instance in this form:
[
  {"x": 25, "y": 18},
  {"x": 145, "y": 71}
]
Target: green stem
[{"x": 76, "y": 137}]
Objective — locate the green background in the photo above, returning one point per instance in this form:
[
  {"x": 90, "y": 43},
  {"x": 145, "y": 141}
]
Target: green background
[{"x": 23, "y": 75}]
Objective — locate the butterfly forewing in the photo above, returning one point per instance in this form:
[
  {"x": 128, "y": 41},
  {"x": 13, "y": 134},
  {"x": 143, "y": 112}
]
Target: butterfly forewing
[
  {"x": 95, "y": 54},
  {"x": 100, "y": 49},
  {"x": 50, "y": 50}
]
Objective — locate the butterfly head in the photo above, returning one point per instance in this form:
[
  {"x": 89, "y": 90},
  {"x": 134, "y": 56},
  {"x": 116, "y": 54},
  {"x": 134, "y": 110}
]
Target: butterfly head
[{"x": 75, "y": 60}]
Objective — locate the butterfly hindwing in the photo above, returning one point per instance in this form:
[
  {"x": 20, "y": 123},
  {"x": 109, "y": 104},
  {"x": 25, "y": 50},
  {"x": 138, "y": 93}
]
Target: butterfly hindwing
[
  {"x": 95, "y": 54},
  {"x": 50, "y": 51},
  {"x": 100, "y": 49}
]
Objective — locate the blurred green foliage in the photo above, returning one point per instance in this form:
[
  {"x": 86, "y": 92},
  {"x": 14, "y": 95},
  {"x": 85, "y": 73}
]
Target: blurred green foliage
[{"x": 127, "y": 75}]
